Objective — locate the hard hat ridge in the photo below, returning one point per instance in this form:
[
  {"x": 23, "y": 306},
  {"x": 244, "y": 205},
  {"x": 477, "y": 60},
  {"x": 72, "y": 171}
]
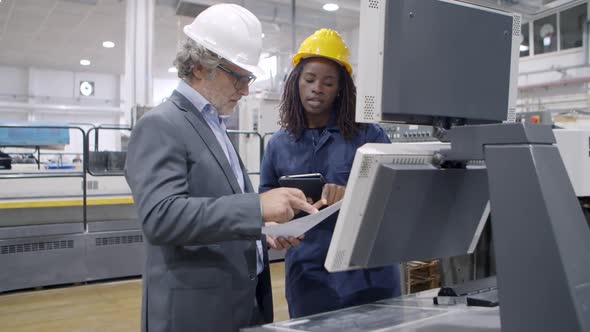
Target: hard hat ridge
[
  {"x": 230, "y": 31},
  {"x": 325, "y": 43}
]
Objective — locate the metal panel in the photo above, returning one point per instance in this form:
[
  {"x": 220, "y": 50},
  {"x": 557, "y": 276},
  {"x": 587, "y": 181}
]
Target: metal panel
[
  {"x": 111, "y": 212},
  {"x": 41, "y": 261},
  {"x": 539, "y": 228},
  {"x": 40, "y": 215},
  {"x": 112, "y": 225},
  {"x": 408, "y": 216},
  {"x": 40, "y": 230},
  {"x": 114, "y": 254},
  {"x": 445, "y": 59}
]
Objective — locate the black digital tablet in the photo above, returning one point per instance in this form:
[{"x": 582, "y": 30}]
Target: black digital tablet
[{"x": 311, "y": 184}]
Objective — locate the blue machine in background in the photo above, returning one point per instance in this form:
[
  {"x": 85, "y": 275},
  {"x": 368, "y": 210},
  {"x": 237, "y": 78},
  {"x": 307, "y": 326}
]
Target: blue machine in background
[{"x": 33, "y": 137}]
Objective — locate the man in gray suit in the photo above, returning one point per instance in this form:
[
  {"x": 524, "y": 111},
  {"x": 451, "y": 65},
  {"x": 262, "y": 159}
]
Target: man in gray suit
[{"x": 207, "y": 263}]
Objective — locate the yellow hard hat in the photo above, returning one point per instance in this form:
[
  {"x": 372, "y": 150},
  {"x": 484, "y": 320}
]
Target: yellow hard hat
[{"x": 326, "y": 43}]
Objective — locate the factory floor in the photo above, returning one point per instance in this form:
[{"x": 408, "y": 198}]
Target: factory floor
[{"x": 111, "y": 306}]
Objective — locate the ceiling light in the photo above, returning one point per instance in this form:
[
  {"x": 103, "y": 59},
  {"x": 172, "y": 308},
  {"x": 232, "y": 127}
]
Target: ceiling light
[
  {"x": 85, "y": 62},
  {"x": 172, "y": 70},
  {"x": 108, "y": 44},
  {"x": 263, "y": 35},
  {"x": 524, "y": 48},
  {"x": 330, "y": 7}
]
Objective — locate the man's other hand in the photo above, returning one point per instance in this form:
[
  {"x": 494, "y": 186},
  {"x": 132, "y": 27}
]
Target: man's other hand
[{"x": 281, "y": 243}]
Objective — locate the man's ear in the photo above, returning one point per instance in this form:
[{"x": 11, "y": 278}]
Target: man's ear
[{"x": 199, "y": 72}]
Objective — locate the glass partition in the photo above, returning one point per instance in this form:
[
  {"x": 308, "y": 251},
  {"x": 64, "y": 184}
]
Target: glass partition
[
  {"x": 545, "y": 34},
  {"x": 571, "y": 24},
  {"x": 525, "y": 45}
]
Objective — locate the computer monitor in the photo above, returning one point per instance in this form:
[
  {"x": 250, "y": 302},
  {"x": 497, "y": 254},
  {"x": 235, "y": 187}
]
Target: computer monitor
[
  {"x": 399, "y": 207},
  {"x": 436, "y": 62}
]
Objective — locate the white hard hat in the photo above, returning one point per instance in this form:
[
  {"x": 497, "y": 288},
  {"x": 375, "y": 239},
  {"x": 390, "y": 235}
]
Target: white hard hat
[{"x": 230, "y": 31}]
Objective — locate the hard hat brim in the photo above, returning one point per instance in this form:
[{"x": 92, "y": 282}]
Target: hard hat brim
[{"x": 299, "y": 56}]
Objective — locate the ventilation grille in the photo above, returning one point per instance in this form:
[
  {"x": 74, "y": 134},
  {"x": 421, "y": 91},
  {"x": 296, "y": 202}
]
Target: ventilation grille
[
  {"x": 92, "y": 184},
  {"x": 366, "y": 166},
  {"x": 118, "y": 240},
  {"x": 369, "y": 111},
  {"x": 36, "y": 246},
  {"x": 374, "y": 4},
  {"x": 339, "y": 259},
  {"x": 511, "y": 115},
  {"x": 413, "y": 160},
  {"x": 476, "y": 162},
  {"x": 516, "y": 25}
]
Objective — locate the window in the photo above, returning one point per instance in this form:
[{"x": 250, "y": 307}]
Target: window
[
  {"x": 524, "y": 46},
  {"x": 269, "y": 64},
  {"x": 572, "y": 26},
  {"x": 545, "y": 34}
]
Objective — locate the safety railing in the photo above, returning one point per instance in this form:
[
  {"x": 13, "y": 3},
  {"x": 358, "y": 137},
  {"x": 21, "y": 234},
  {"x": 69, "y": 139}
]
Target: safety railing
[
  {"x": 91, "y": 138},
  {"x": 54, "y": 174},
  {"x": 260, "y": 145},
  {"x": 111, "y": 158}
]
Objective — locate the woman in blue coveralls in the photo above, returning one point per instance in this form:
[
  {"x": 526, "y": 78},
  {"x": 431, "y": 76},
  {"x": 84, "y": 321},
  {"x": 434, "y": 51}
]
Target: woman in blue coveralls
[{"x": 319, "y": 135}]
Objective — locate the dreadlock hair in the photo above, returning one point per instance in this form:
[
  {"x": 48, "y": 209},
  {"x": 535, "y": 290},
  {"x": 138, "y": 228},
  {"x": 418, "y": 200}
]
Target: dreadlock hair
[{"x": 292, "y": 113}]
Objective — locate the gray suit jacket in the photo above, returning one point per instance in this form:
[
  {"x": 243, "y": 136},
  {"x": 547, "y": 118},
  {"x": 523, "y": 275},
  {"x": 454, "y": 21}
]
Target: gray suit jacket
[{"x": 200, "y": 229}]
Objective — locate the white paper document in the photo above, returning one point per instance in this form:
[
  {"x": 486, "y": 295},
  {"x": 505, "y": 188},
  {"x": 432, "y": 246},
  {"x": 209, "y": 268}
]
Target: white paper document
[{"x": 299, "y": 226}]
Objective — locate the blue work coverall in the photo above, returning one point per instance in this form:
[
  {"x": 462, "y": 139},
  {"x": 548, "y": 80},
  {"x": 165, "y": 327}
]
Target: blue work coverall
[{"x": 310, "y": 288}]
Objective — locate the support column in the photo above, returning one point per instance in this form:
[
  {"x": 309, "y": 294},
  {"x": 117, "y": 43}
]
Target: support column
[
  {"x": 541, "y": 240},
  {"x": 137, "y": 81}
]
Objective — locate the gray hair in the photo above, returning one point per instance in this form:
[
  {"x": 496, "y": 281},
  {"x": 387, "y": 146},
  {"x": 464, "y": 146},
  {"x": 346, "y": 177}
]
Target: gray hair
[{"x": 192, "y": 54}]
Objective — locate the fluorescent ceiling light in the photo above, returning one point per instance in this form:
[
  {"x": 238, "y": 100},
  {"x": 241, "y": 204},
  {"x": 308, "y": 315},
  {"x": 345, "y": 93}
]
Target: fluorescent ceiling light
[
  {"x": 524, "y": 48},
  {"x": 330, "y": 7},
  {"x": 85, "y": 62},
  {"x": 108, "y": 44},
  {"x": 172, "y": 70}
]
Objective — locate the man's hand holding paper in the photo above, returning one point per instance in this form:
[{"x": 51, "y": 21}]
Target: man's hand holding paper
[{"x": 298, "y": 227}]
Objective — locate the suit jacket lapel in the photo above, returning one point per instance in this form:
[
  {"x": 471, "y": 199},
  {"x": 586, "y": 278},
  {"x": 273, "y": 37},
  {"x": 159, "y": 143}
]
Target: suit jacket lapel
[{"x": 202, "y": 128}]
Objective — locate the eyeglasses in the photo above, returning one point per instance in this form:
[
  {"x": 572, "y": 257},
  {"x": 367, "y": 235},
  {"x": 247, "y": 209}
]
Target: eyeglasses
[{"x": 241, "y": 81}]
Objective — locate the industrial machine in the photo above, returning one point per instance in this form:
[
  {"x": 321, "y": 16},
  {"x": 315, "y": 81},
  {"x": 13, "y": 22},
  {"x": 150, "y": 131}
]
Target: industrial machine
[
  {"x": 60, "y": 226},
  {"x": 452, "y": 65}
]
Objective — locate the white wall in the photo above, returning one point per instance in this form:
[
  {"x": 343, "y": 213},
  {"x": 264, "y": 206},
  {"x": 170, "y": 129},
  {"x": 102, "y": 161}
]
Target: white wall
[
  {"x": 59, "y": 87},
  {"x": 163, "y": 88},
  {"x": 106, "y": 88},
  {"x": 13, "y": 83},
  {"x": 51, "y": 86},
  {"x": 47, "y": 95},
  {"x": 556, "y": 81},
  {"x": 57, "y": 92},
  {"x": 552, "y": 67}
]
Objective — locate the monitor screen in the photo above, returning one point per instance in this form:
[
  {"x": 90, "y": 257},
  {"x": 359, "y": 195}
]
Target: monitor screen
[
  {"x": 433, "y": 62},
  {"x": 399, "y": 207}
]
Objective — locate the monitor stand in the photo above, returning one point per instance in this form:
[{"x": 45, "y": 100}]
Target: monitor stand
[{"x": 541, "y": 240}]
